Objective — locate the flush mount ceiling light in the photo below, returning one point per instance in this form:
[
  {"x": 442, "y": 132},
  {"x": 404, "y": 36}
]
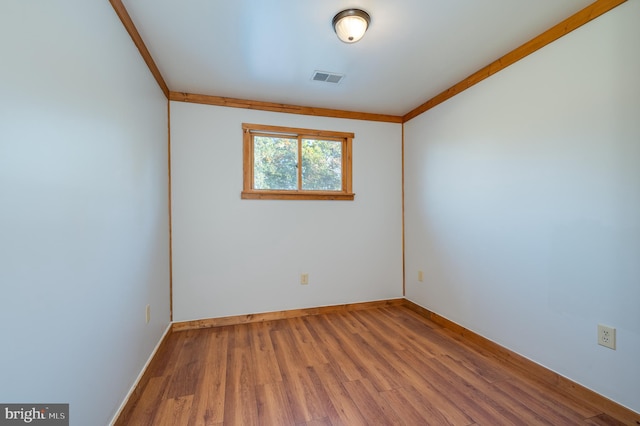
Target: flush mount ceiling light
[{"x": 351, "y": 24}]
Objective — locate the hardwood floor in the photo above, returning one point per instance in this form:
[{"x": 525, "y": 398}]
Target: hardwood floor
[{"x": 382, "y": 366}]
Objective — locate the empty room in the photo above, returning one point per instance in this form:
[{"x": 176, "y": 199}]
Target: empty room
[{"x": 301, "y": 213}]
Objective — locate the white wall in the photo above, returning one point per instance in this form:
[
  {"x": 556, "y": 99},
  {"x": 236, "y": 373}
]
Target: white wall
[
  {"x": 83, "y": 207},
  {"x": 523, "y": 206},
  {"x": 233, "y": 256}
]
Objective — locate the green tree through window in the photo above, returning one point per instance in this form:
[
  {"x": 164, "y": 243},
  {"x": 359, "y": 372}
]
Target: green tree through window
[
  {"x": 288, "y": 163},
  {"x": 275, "y": 163},
  {"x": 321, "y": 165}
]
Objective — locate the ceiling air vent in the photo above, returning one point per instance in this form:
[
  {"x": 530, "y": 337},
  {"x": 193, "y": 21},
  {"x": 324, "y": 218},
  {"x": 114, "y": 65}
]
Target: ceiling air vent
[{"x": 327, "y": 77}]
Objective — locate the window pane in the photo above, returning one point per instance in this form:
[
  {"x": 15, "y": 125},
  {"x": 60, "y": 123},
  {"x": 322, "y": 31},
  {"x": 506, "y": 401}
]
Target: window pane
[
  {"x": 274, "y": 163},
  {"x": 321, "y": 165}
]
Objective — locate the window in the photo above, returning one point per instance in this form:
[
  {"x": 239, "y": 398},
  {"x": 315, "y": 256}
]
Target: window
[{"x": 286, "y": 163}]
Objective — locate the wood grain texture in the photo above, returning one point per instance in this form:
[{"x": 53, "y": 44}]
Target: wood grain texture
[
  {"x": 375, "y": 364},
  {"x": 347, "y": 166},
  {"x": 122, "y": 13},
  {"x": 527, "y": 368},
  {"x": 296, "y": 195},
  {"x": 272, "y": 316},
  {"x": 152, "y": 383},
  {"x": 578, "y": 19},
  {"x": 293, "y": 133},
  {"x": 275, "y": 107}
]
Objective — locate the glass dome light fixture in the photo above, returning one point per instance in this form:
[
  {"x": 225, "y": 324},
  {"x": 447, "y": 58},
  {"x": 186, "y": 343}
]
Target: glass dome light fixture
[{"x": 351, "y": 24}]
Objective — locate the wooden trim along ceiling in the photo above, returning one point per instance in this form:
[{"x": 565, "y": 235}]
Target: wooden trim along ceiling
[
  {"x": 573, "y": 22},
  {"x": 599, "y": 7},
  {"x": 290, "y": 109},
  {"x": 137, "y": 40},
  {"x": 578, "y": 19}
]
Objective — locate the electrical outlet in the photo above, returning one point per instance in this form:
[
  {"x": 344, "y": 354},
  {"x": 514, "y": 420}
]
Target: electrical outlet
[
  {"x": 148, "y": 313},
  {"x": 304, "y": 279},
  {"x": 607, "y": 336},
  {"x": 420, "y": 276}
]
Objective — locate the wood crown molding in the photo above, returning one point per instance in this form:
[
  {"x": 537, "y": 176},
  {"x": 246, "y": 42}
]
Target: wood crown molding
[
  {"x": 285, "y": 108},
  {"x": 578, "y": 19},
  {"x": 599, "y": 7},
  {"x": 122, "y": 13}
]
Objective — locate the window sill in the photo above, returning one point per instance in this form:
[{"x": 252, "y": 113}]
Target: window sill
[{"x": 297, "y": 195}]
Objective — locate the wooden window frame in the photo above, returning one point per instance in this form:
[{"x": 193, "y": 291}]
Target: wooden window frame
[{"x": 250, "y": 193}]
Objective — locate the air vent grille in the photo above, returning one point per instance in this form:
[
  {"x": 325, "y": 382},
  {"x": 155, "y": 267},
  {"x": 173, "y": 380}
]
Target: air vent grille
[{"x": 327, "y": 77}]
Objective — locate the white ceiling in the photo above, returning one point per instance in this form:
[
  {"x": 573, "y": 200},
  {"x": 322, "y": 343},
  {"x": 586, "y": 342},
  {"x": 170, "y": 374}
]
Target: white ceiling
[{"x": 267, "y": 50}]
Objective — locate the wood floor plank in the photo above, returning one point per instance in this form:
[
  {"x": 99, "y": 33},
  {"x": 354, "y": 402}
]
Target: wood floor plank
[
  {"x": 266, "y": 366},
  {"x": 184, "y": 379},
  {"x": 344, "y": 365},
  {"x": 364, "y": 356},
  {"x": 306, "y": 343},
  {"x": 301, "y": 394},
  {"x": 433, "y": 401},
  {"x": 273, "y": 405},
  {"x": 546, "y": 400},
  {"x": 387, "y": 334},
  {"x": 333, "y": 417},
  {"x": 147, "y": 406},
  {"x": 374, "y": 408},
  {"x": 164, "y": 360},
  {"x": 320, "y": 422},
  {"x": 443, "y": 342},
  {"x": 465, "y": 397},
  {"x": 604, "y": 420},
  {"x": 174, "y": 411},
  {"x": 240, "y": 405},
  {"x": 350, "y": 322},
  {"x": 399, "y": 401},
  {"x": 208, "y": 404},
  {"x": 383, "y": 365},
  {"x": 346, "y": 411},
  {"x": 435, "y": 407},
  {"x": 498, "y": 410},
  {"x": 518, "y": 407},
  {"x": 484, "y": 366},
  {"x": 417, "y": 334}
]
